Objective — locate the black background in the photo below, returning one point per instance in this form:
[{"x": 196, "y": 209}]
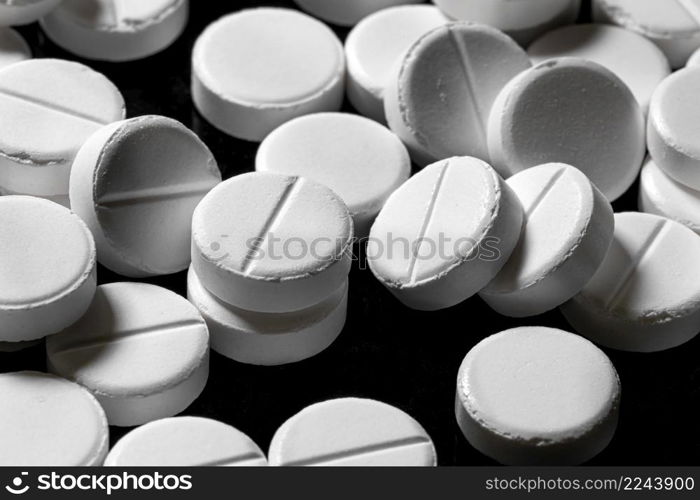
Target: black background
[{"x": 387, "y": 352}]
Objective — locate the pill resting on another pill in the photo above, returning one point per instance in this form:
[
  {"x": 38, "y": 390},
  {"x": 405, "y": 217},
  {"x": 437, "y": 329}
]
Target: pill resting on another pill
[
  {"x": 256, "y": 69},
  {"x": 142, "y": 350},
  {"x": 568, "y": 229},
  {"x": 46, "y": 122},
  {"x": 360, "y": 160},
  {"x": 571, "y": 111},
  {"x": 347, "y": 12},
  {"x": 439, "y": 100},
  {"x": 49, "y": 422},
  {"x": 269, "y": 338},
  {"x": 185, "y": 442},
  {"x": 271, "y": 243},
  {"x": 352, "y": 432},
  {"x": 445, "y": 234},
  {"x": 645, "y": 297},
  {"x": 136, "y": 184},
  {"x": 47, "y": 268},
  {"x": 537, "y": 396},
  {"x": 116, "y": 30}
]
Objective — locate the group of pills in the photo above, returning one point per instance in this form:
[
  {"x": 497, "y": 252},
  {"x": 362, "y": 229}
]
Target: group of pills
[{"x": 521, "y": 154}]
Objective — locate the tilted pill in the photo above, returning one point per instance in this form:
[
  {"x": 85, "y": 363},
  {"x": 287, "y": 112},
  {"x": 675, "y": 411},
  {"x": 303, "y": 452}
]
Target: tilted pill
[
  {"x": 661, "y": 195},
  {"x": 537, "y": 396},
  {"x": 568, "y": 229},
  {"x": 352, "y": 432},
  {"x": 143, "y": 351},
  {"x": 376, "y": 45},
  {"x": 271, "y": 243},
  {"x": 360, "y": 160},
  {"x": 646, "y": 295},
  {"x": 19, "y": 12},
  {"x": 13, "y": 48},
  {"x": 136, "y": 184},
  {"x": 256, "y": 69},
  {"x": 116, "y": 30},
  {"x": 637, "y": 61},
  {"x": 185, "y": 442},
  {"x": 347, "y": 12},
  {"x": 673, "y": 127},
  {"x": 47, "y": 268},
  {"x": 445, "y": 234},
  {"x": 269, "y": 339},
  {"x": 439, "y": 102},
  {"x": 49, "y": 422},
  {"x": 523, "y": 20},
  {"x": 44, "y": 125},
  {"x": 672, "y": 25},
  {"x": 570, "y": 111}
]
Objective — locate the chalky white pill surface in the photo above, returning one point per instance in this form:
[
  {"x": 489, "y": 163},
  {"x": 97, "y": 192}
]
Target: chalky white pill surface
[
  {"x": 445, "y": 234},
  {"x": 571, "y": 111},
  {"x": 13, "y": 48},
  {"x": 568, "y": 229},
  {"x": 439, "y": 102},
  {"x": 136, "y": 184},
  {"x": 116, "y": 30},
  {"x": 361, "y": 161},
  {"x": 63, "y": 200},
  {"x": 674, "y": 125},
  {"x": 636, "y": 60},
  {"x": 522, "y": 19},
  {"x": 646, "y": 295},
  {"x": 673, "y": 25},
  {"x": 256, "y": 69},
  {"x": 185, "y": 442},
  {"x": 352, "y": 432},
  {"x": 49, "y": 422},
  {"x": 537, "y": 396},
  {"x": 269, "y": 339},
  {"x": 271, "y": 243},
  {"x": 347, "y": 12},
  {"x": 18, "y": 12},
  {"x": 694, "y": 59},
  {"x": 376, "y": 45},
  {"x": 47, "y": 268},
  {"x": 661, "y": 195},
  {"x": 143, "y": 351},
  {"x": 49, "y": 107}
]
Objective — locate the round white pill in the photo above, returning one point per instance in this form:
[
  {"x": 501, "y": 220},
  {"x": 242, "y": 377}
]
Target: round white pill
[
  {"x": 143, "y": 351},
  {"x": 347, "y": 12},
  {"x": 445, "y": 234},
  {"x": 672, "y": 25},
  {"x": 568, "y": 229},
  {"x": 522, "y": 19},
  {"x": 47, "y": 268},
  {"x": 271, "y": 243},
  {"x": 185, "y": 442},
  {"x": 352, "y": 432},
  {"x": 571, "y": 111},
  {"x": 646, "y": 295},
  {"x": 256, "y": 69},
  {"x": 116, "y": 30},
  {"x": 13, "y": 48},
  {"x": 49, "y": 422},
  {"x": 537, "y": 396},
  {"x": 269, "y": 339},
  {"x": 136, "y": 184},
  {"x": 44, "y": 125},
  {"x": 360, "y": 160},
  {"x": 637, "y": 61},
  {"x": 661, "y": 195},
  {"x": 376, "y": 45},
  {"x": 674, "y": 125},
  {"x": 440, "y": 100},
  {"x": 18, "y": 12}
]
